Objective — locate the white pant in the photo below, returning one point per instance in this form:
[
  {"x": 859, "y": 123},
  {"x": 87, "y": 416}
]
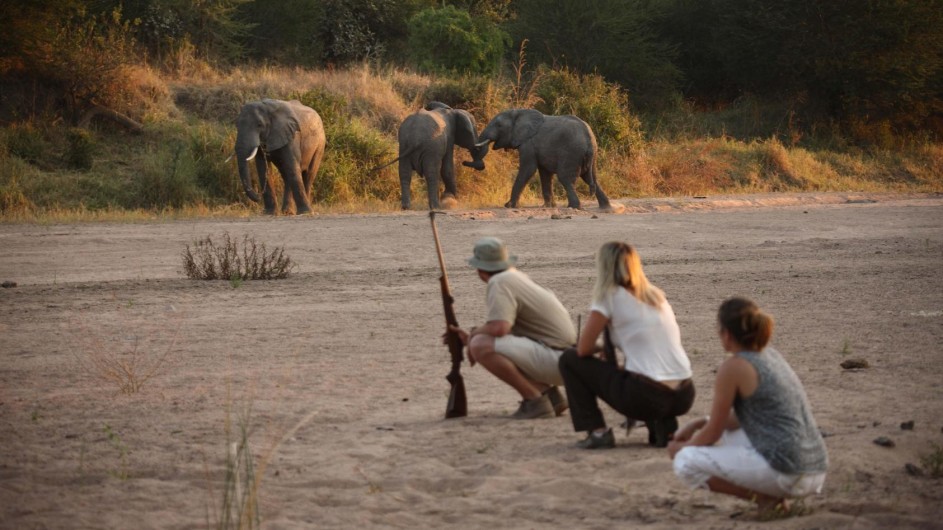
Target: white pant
[
  {"x": 534, "y": 359},
  {"x": 734, "y": 459}
]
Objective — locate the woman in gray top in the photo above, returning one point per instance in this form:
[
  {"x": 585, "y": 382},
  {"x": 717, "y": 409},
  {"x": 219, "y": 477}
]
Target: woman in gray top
[{"x": 760, "y": 442}]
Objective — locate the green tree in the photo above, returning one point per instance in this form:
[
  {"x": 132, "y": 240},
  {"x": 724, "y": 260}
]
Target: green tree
[
  {"x": 449, "y": 39},
  {"x": 213, "y": 28},
  {"x": 288, "y": 35},
  {"x": 79, "y": 57},
  {"x": 615, "y": 38},
  {"x": 366, "y": 29},
  {"x": 876, "y": 60},
  {"x": 496, "y": 11}
]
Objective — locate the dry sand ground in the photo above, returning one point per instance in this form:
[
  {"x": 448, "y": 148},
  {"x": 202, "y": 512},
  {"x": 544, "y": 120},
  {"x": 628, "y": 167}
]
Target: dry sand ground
[{"x": 342, "y": 370}]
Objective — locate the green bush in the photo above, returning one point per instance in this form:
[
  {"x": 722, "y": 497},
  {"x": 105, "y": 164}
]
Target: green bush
[
  {"x": 27, "y": 142},
  {"x": 615, "y": 38},
  {"x": 80, "y": 152},
  {"x": 330, "y": 106},
  {"x": 209, "y": 148},
  {"x": 447, "y": 39},
  {"x": 166, "y": 179},
  {"x": 347, "y": 174},
  {"x": 464, "y": 92},
  {"x": 604, "y": 106}
]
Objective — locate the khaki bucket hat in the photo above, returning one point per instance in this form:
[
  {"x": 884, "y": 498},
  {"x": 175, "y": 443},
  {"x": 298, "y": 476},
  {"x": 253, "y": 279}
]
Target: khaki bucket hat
[{"x": 491, "y": 255}]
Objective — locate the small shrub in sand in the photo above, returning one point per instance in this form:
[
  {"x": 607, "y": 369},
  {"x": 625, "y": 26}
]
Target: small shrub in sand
[
  {"x": 228, "y": 260},
  {"x": 933, "y": 461},
  {"x": 129, "y": 351}
]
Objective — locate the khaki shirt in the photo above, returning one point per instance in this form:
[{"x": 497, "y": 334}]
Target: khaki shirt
[{"x": 533, "y": 311}]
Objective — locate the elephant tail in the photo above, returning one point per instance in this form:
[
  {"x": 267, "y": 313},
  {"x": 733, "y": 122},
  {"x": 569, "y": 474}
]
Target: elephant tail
[{"x": 395, "y": 160}]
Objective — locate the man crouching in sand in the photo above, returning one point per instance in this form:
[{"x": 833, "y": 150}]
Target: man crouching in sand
[{"x": 526, "y": 331}]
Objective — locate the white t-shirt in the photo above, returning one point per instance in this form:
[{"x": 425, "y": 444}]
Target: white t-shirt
[{"x": 648, "y": 336}]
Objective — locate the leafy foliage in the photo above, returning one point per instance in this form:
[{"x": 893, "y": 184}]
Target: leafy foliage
[
  {"x": 288, "y": 35},
  {"x": 81, "y": 149},
  {"x": 463, "y": 92},
  {"x": 366, "y": 29},
  {"x": 600, "y": 104},
  {"x": 875, "y": 64},
  {"x": 615, "y": 38},
  {"x": 85, "y": 57},
  {"x": 213, "y": 28},
  {"x": 449, "y": 39}
]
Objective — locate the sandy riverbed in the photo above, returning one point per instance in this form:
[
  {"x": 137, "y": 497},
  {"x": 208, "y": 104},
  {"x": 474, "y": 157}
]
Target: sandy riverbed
[{"x": 339, "y": 374}]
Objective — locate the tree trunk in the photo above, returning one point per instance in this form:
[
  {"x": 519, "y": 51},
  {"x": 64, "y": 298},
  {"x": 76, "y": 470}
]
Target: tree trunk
[{"x": 113, "y": 115}]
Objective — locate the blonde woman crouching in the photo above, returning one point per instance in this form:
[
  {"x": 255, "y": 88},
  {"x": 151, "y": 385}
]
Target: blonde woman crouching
[{"x": 655, "y": 385}]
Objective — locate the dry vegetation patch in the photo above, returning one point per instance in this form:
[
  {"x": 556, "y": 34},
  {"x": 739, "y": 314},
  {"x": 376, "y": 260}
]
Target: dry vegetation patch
[{"x": 228, "y": 259}]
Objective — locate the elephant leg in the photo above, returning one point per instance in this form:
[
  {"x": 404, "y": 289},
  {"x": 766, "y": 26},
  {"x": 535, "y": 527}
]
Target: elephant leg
[
  {"x": 590, "y": 178},
  {"x": 286, "y": 199},
  {"x": 291, "y": 175},
  {"x": 546, "y": 187},
  {"x": 448, "y": 176},
  {"x": 302, "y": 204},
  {"x": 405, "y": 180},
  {"x": 431, "y": 171},
  {"x": 524, "y": 173},
  {"x": 568, "y": 178},
  {"x": 268, "y": 195}
]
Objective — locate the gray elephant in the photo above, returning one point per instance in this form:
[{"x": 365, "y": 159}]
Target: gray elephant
[
  {"x": 426, "y": 143},
  {"x": 561, "y": 145},
  {"x": 291, "y": 136}
]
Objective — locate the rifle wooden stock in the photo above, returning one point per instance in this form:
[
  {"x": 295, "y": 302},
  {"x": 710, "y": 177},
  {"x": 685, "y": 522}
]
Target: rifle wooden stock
[{"x": 457, "y": 405}]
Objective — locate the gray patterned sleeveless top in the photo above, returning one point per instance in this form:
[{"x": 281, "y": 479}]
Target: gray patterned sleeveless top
[{"x": 777, "y": 418}]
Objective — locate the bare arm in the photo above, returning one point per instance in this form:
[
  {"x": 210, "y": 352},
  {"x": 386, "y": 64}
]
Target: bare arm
[
  {"x": 591, "y": 330},
  {"x": 495, "y": 328},
  {"x": 733, "y": 375}
]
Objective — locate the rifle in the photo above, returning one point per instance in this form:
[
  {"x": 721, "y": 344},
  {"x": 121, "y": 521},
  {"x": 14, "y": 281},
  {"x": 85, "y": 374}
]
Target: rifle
[
  {"x": 608, "y": 348},
  {"x": 457, "y": 406}
]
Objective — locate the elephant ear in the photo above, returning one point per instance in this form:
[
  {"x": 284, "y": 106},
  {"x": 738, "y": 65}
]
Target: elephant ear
[
  {"x": 283, "y": 127},
  {"x": 435, "y": 105},
  {"x": 465, "y": 133},
  {"x": 526, "y": 124}
]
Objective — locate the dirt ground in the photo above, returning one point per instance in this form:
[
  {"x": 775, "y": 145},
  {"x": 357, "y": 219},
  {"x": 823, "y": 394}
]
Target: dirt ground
[{"x": 336, "y": 374}]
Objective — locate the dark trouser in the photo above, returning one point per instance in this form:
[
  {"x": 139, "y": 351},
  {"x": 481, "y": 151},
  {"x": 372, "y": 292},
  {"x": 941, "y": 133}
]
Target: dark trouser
[{"x": 632, "y": 394}]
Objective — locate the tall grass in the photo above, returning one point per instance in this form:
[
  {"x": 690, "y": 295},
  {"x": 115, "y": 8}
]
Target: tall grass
[{"x": 178, "y": 167}]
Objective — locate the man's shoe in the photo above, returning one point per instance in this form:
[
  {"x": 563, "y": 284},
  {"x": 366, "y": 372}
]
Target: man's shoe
[
  {"x": 557, "y": 399},
  {"x": 606, "y": 440},
  {"x": 660, "y": 431},
  {"x": 530, "y": 409}
]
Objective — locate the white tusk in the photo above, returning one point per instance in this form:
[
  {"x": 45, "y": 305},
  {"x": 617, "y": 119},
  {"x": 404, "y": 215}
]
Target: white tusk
[
  {"x": 482, "y": 144},
  {"x": 230, "y": 158},
  {"x": 251, "y": 156}
]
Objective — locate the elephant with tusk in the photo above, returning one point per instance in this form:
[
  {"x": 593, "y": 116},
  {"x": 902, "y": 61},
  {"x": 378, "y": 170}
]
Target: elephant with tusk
[{"x": 291, "y": 136}]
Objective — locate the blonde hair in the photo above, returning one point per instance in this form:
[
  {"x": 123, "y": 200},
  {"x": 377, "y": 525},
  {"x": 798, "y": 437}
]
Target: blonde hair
[
  {"x": 746, "y": 323},
  {"x": 619, "y": 265}
]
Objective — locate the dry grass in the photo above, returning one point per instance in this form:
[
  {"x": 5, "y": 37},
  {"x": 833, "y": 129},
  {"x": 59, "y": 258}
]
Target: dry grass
[
  {"x": 369, "y": 95},
  {"x": 227, "y": 260},
  {"x": 367, "y": 106},
  {"x": 245, "y": 469},
  {"x": 128, "y": 351}
]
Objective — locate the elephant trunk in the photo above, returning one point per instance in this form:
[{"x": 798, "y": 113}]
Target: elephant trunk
[
  {"x": 246, "y": 150},
  {"x": 479, "y": 150}
]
